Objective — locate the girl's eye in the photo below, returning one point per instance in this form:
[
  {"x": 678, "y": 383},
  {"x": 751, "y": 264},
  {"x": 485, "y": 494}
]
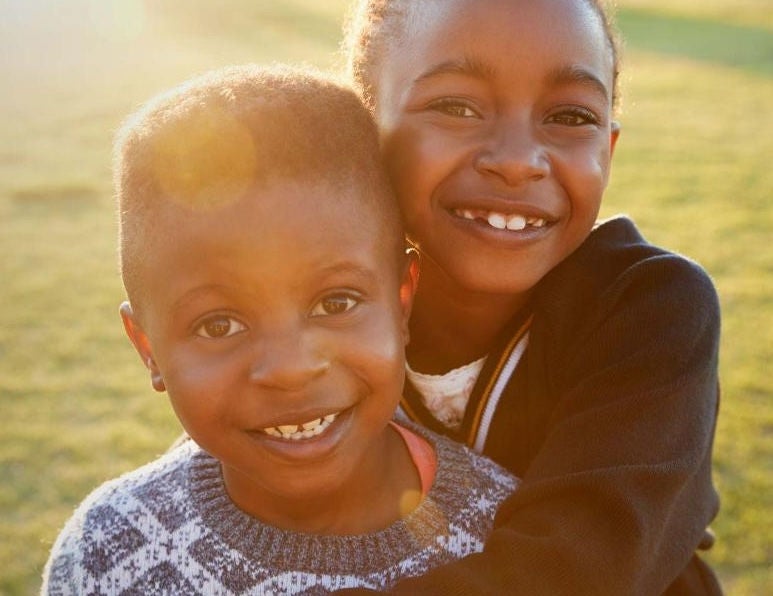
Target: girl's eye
[
  {"x": 573, "y": 117},
  {"x": 453, "y": 107},
  {"x": 218, "y": 327},
  {"x": 335, "y": 304}
]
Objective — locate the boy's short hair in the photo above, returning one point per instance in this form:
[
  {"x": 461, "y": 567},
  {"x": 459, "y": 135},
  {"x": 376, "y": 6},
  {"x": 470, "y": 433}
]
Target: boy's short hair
[{"x": 232, "y": 131}]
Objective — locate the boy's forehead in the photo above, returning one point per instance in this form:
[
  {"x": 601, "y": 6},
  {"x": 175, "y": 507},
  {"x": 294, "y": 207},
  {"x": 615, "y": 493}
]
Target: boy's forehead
[
  {"x": 287, "y": 224},
  {"x": 279, "y": 203},
  {"x": 287, "y": 235}
]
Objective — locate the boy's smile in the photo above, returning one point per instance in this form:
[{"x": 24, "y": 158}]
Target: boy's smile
[
  {"x": 305, "y": 430},
  {"x": 277, "y": 324},
  {"x": 497, "y": 131}
]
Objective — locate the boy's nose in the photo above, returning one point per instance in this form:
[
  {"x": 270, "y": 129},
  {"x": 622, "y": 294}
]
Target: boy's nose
[
  {"x": 287, "y": 361},
  {"x": 512, "y": 153}
]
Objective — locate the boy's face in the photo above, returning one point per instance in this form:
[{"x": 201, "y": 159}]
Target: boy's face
[
  {"x": 277, "y": 324},
  {"x": 497, "y": 131}
]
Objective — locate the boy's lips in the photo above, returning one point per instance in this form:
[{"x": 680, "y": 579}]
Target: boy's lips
[
  {"x": 305, "y": 430},
  {"x": 294, "y": 443}
]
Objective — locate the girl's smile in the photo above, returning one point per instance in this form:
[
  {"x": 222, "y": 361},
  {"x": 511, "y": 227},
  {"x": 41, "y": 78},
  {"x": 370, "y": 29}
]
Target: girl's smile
[{"x": 497, "y": 132}]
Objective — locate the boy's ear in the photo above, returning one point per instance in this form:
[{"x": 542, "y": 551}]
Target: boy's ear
[
  {"x": 613, "y": 136},
  {"x": 142, "y": 344},
  {"x": 408, "y": 287}
]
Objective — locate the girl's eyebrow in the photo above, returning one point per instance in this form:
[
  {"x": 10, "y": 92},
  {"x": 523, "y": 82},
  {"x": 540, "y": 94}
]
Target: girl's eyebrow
[
  {"x": 472, "y": 67},
  {"x": 468, "y": 66},
  {"x": 573, "y": 74}
]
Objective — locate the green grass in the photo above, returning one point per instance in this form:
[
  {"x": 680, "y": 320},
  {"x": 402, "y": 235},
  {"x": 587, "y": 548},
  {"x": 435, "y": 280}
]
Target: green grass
[
  {"x": 692, "y": 167},
  {"x": 76, "y": 408}
]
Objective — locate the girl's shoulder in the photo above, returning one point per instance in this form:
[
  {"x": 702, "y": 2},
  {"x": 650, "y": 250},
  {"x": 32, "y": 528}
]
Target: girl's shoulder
[
  {"x": 459, "y": 467},
  {"x": 617, "y": 266},
  {"x": 616, "y": 246}
]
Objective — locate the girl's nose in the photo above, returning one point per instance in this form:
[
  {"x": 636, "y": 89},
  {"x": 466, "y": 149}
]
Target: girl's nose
[
  {"x": 287, "y": 362},
  {"x": 512, "y": 153}
]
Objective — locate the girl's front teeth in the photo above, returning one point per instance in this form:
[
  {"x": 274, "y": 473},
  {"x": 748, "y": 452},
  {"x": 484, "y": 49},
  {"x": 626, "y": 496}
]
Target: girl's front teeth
[
  {"x": 302, "y": 431},
  {"x": 500, "y": 221}
]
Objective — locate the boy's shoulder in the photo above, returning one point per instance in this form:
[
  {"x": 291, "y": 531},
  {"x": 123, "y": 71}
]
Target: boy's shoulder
[
  {"x": 114, "y": 519},
  {"x": 123, "y": 518},
  {"x": 153, "y": 483}
]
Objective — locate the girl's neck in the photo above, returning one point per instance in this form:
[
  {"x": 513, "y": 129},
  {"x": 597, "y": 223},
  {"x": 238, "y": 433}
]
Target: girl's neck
[{"x": 451, "y": 326}]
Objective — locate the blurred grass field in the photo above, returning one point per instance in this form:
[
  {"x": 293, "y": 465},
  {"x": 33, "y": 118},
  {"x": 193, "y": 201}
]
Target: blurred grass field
[{"x": 692, "y": 167}]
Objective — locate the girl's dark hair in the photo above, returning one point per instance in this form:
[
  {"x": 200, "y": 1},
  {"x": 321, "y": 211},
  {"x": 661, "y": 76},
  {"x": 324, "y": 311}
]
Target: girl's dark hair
[{"x": 373, "y": 24}]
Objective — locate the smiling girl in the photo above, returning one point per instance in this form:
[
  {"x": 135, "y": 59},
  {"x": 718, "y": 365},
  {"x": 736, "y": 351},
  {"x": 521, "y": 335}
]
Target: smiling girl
[{"x": 575, "y": 353}]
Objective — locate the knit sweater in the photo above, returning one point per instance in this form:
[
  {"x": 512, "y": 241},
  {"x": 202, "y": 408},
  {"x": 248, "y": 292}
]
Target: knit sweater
[
  {"x": 602, "y": 396},
  {"x": 170, "y": 528}
]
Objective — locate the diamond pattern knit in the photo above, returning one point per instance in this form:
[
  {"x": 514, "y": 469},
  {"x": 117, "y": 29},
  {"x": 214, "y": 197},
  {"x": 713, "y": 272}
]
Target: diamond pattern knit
[{"x": 170, "y": 528}]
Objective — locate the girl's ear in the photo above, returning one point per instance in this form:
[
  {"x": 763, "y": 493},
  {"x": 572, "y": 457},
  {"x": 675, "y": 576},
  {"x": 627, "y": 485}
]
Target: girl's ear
[
  {"x": 613, "y": 136},
  {"x": 408, "y": 286},
  {"x": 141, "y": 343}
]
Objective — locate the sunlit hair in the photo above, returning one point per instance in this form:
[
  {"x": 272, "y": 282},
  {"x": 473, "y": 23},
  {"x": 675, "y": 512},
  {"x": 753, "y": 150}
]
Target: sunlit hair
[
  {"x": 373, "y": 27},
  {"x": 234, "y": 131}
]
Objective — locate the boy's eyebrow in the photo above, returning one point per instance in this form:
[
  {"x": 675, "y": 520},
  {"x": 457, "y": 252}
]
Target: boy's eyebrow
[
  {"x": 347, "y": 267},
  {"x": 578, "y": 74},
  {"x": 193, "y": 293}
]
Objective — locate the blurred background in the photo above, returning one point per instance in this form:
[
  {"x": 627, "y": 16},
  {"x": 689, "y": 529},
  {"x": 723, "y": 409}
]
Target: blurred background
[{"x": 693, "y": 167}]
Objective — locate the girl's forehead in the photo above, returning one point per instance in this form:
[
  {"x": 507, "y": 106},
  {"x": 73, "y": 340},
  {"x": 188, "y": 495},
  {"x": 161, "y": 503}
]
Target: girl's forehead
[{"x": 501, "y": 35}]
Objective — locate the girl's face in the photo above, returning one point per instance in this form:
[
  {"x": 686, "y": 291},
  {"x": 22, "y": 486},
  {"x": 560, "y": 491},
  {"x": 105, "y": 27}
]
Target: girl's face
[{"x": 497, "y": 131}]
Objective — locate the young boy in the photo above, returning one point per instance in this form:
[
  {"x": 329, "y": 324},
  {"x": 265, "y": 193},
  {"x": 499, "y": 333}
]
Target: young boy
[{"x": 269, "y": 293}]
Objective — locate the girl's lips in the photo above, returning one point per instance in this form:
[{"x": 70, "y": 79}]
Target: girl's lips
[
  {"x": 501, "y": 220},
  {"x": 509, "y": 230},
  {"x": 501, "y": 215},
  {"x": 506, "y": 205}
]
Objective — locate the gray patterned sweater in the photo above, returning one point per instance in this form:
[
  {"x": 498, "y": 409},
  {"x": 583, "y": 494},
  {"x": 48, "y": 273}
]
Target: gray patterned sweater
[{"x": 170, "y": 528}]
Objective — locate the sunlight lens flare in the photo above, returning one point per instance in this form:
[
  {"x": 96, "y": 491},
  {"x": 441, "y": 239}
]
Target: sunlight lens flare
[
  {"x": 118, "y": 19},
  {"x": 208, "y": 161}
]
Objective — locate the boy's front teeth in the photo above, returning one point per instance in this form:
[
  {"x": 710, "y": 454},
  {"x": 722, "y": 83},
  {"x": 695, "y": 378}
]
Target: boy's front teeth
[{"x": 302, "y": 431}]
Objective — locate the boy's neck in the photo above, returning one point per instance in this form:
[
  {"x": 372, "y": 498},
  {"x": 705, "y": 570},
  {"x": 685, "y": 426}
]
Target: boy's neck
[
  {"x": 367, "y": 503},
  {"x": 451, "y": 327}
]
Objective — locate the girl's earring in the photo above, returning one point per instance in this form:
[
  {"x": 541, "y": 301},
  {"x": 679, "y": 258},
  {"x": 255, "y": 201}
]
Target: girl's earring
[{"x": 157, "y": 382}]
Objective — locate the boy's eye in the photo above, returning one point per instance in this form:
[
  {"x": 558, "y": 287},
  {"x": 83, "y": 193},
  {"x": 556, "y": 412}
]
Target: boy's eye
[
  {"x": 334, "y": 304},
  {"x": 453, "y": 107},
  {"x": 219, "y": 326},
  {"x": 573, "y": 117}
]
